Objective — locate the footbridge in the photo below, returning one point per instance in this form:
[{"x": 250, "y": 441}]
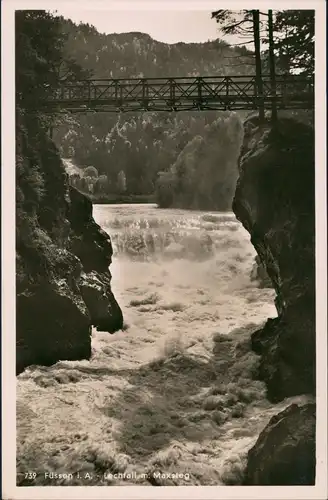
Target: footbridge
[{"x": 182, "y": 94}]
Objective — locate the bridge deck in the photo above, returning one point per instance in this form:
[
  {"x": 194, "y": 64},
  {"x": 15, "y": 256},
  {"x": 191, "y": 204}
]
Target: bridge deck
[{"x": 178, "y": 94}]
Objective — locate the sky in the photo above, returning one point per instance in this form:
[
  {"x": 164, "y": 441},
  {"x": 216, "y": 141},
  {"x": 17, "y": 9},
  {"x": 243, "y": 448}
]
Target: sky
[{"x": 164, "y": 26}]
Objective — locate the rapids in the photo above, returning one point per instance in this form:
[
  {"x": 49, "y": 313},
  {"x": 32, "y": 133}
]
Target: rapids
[{"x": 175, "y": 391}]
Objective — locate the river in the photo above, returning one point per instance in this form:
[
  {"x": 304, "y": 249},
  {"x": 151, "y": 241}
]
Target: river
[{"x": 175, "y": 391}]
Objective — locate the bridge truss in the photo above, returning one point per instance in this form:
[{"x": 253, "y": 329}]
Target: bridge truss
[{"x": 181, "y": 94}]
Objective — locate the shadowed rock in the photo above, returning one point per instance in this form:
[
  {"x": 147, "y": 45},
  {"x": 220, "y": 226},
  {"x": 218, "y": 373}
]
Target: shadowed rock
[
  {"x": 52, "y": 324},
  {"x": 62, "y": 258},
  {"x": 105, "y": 312},
  {"x": 284, "y": 454},
  {"x": 274, "y": 200},
  {"x": 260, "y": 274},
  {"x": 88, "y": 241},
  {"x": 94, "y": 248}
]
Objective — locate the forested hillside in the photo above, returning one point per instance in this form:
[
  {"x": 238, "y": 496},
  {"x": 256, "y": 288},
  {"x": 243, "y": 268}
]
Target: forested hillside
[
  {"x": 134, "y": 55},
  {"x": 129, "y": 150},
  {"x": 204, "y": 174}
]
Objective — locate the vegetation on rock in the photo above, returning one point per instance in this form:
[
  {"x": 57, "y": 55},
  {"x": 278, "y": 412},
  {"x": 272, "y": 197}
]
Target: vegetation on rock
[{"x": 53, "y": 319}]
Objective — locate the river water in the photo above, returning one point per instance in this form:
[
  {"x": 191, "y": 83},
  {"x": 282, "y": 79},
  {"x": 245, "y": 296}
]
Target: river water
[{"x": 173, "y": 393}]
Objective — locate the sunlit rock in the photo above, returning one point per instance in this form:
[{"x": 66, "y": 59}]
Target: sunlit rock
[{"x": 105, "y": 312}]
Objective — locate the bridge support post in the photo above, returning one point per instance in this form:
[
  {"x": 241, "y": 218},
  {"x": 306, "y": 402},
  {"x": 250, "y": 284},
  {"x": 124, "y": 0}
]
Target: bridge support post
[
  {"x": 199, "y": 88},
  {"x": 172, "y": 94},
  {"x": 274, "y": 113},
  {"x": 89, "y": 92},
  {"x": 258, "y": 64},
  {"x": 144, "y": 86}
]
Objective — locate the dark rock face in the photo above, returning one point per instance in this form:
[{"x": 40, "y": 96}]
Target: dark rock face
[
  {"x": 62, "y": 258},
  {"x": 87, "y": 240},
  {"x": 274, "y": 200},
  {"x": 284, "y": 454},
  {"x": 94, "y": 249},
  {"x": 105, "y": 312},
  {"x": 260, "y": 274},
  {"x": 52, "y": 324}
]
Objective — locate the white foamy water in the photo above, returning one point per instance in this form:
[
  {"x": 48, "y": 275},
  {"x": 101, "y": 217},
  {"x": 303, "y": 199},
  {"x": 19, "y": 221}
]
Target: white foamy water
[
  {"x": 175, "y": 392},
  {"x": 191, "y": 270}
]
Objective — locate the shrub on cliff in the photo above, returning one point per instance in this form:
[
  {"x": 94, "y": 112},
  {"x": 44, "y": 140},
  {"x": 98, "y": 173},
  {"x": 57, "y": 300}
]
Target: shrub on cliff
[{"x": 91, "y": 172}]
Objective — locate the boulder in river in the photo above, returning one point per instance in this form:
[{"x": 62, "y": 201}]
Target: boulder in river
[{"x": 284, "y": 454}]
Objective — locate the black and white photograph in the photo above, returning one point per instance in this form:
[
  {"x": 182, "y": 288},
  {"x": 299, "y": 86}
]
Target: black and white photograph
[{"x": 167, "y": 260}]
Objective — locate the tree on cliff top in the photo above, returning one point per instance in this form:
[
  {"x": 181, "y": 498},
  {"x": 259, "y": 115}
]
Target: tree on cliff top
[
  {"x": 290, "y": 38},
  {"x": 245, "y": 23},
  {"x": 295, "y": 45},
  {"x": 293, "y": 35},
  {"x": 40, "y": 63},
  {"x": 38, "y": 54}
]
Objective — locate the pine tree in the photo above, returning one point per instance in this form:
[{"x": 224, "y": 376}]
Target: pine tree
[
  {"x": 40, "y": 59},
  {"x": 245, "y": 23},
  {"x": 294, "y": 40}
]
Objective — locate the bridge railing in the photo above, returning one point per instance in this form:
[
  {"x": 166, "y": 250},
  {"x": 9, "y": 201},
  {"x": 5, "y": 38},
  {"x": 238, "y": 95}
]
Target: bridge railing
[{"x": 224, "y": 92}]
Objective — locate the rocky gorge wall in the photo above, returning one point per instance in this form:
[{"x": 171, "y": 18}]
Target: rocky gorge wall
[
  {"x": 63, "y": 280},
  {"x": 275, "y": 201},
  {"x": 62, "y": 258}
]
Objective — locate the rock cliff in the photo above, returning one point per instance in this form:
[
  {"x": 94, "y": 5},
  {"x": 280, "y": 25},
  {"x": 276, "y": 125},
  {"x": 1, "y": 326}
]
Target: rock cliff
[
  {"x": 285, "y": 451},
  {"x": 259, "y": 274},
  {"x": 274, "y": 200},
  {"x": 62, "y": 258}
]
